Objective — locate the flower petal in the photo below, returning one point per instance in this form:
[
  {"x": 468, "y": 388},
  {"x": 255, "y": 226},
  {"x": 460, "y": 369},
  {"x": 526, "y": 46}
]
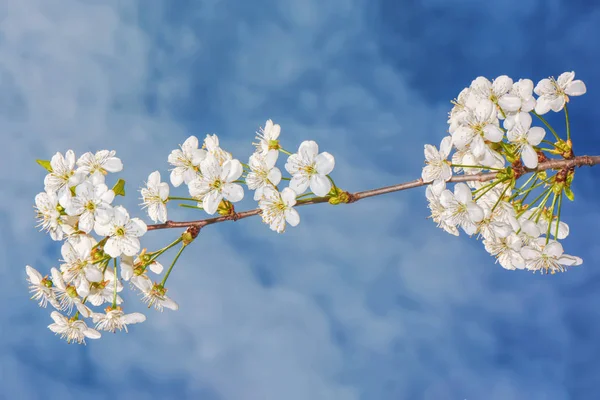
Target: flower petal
[
  {"x": 308, "y": 150},
  {"x": 211, "y": 201},
  {"x": 292, "y": 217},
  {"x": 299, "y": 183},
  {"x": 324, "y": 163},
  {"x": 575, "y": 88},
  {"x": 463, "y": 193},
  {"x": 233, "y": 192},
  {"x": 535, "y": 135},
  {"x": 320, "y": 185},
  {"x": 530, "y": 157}
]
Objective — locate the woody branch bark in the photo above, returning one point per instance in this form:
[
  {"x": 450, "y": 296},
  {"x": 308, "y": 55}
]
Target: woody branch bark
[{"x": 546, "y": 165}]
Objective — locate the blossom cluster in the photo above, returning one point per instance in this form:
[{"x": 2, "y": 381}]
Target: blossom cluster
[
  {"x": 491, "y": 130},
  {"x": 102, "y": 247},
  {"x": 76, "y": 204},
  {"x": 213, "y": 177}
]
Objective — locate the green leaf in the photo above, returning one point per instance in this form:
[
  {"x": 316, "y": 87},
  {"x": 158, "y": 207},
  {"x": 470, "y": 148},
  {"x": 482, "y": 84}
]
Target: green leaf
[
  {"x": 45, "y": 164},
  {"x": 569, "y": 194},
  {"x": 119, "y": 188}
]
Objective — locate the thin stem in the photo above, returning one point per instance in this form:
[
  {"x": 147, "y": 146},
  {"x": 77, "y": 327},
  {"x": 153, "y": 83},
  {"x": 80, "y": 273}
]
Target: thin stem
[
  {"x": 172, "y": 265},
  {"x": 285, "y": 151},
  {"x": 499, "y": 199},
  {"x": 354, "y": 197},
  {"x": 476, "y": 166},
  {"x": 567, "y": 122},
  {"x": 332, "y": 182},
  {"x": 114, "y": 303},
  {"x": 548, "y": 142},
  {"x": 158, "y": 253},
  {"x": 283, "y": 178},
  {"x": 489, "y": 187},
  {"x": 190, "y": 206},
  {"x": 304, "y": 195},
  {"x": 533, "y": 202},
  {"x": 551, "y": 217},
  {"x": 558, "y": 215},
  {"x": 506, "y": 148},
  {"x": 522, "y": 190},
  {"x": 182, "y": 198},
  {"x": 104, "y": 267},
  {"x": 540, "y": 209},
  {"x": 547, "y": 125}
]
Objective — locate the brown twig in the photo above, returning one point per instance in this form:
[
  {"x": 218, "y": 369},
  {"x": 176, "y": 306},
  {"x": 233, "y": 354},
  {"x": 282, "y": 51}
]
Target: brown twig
[{"x": 550, "y": 164}]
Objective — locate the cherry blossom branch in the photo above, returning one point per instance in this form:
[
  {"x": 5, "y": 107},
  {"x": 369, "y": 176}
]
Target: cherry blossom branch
[{"x": 353, "y": 197}]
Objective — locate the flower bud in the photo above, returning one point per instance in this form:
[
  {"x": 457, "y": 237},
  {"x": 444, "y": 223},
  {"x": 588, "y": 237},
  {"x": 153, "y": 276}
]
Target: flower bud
[{"x": 225, "y": 208}]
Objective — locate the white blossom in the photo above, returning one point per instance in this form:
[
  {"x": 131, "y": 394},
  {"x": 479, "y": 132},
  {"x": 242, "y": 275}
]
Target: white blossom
[
  {"x": 114, "y": 319},
  {"x": 499, "y": 218},
  {"x": 460, "y": 209},
  {"x": 268, "y": 139},
  {"x": 553, "y": 94},
  {"x": 123, "y": 233},
  {"x": 498, "y": 92},
  {"x": 438, "y": 210},
  {"x": 186, "y": 161},
  {"x": 154, "y": 294},
  {"x": 217, "y": 183},
  {"x": 549, "y": 257},
  {"x": 529, "y": 232},
  {"x": 308, "y": 167},
  {"x": 41, "y": 288},
  {"x": 63, "y": 175},
  {"x": 128, "y": 265},
  {"x": 438, "y": 166},
  {"x": 155, "y": 196},
  {"x": 103, "y": 292},
  {"x": 211, "y": 144},
  {"x": 48, "y": 214},
  {"x": 263, "y": 172},
  {"x": 523, "y": 89},
  {"x": 480, "y": 124},
  {"x": 461, "y": 109},
  {"x": 506, "y": 250},
  {"x": 78, "y": 268},
  {"x": 92, "y": 203},
  {"x": 66, "y": 295},
  {"x": 524, "y": 136},
  {"x": 73, "y": 330},
  {"x": 277, "y": 208},
  {"x": 99, "y": 164}
]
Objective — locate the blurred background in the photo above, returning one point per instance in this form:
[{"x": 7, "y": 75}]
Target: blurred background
[{"x": 366, "y": 301}]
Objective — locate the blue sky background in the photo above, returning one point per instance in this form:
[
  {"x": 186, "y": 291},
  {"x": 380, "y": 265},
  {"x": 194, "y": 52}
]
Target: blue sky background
[{"x": 368, "y": 301}]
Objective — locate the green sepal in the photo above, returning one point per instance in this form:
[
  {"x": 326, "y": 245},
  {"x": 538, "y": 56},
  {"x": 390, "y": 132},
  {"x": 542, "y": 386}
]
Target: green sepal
[
  {"x": 119, "y": 188},
  {"x": 569, "y": 193},
  {"x": 45, "y": 164}
]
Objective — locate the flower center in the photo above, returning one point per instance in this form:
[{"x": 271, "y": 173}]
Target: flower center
[
  {"x": 120, "y": 231},
  {"x": 90, "y": 206},
  {"x": 217, "y": 184},
  {"x": 310, "y": 169}
]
